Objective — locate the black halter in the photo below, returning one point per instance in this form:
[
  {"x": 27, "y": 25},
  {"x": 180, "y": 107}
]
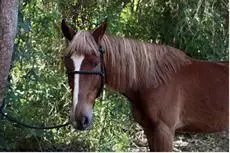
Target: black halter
[{"x": 101, "y": 72}]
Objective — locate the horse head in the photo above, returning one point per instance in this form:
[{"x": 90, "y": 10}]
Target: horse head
[{"x": 85, "y": 69}]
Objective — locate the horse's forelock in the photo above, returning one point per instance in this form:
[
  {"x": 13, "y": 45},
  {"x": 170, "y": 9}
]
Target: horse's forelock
[{"x": 83, "y": 43}]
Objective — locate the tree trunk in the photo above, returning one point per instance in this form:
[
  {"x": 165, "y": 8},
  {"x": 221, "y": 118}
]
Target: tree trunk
[{"x": 8, "y": 26}]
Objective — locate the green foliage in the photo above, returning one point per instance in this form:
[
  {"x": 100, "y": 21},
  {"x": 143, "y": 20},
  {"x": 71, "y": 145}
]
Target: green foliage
[
  {"x": 39, "y": 93},
  {"x": 200, "y": 28}
]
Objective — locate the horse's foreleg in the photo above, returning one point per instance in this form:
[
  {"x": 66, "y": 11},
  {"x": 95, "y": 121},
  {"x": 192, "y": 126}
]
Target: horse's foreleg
[{"x": 160, "y": 138}]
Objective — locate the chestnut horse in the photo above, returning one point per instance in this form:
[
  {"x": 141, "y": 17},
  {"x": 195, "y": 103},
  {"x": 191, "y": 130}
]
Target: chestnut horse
[{"x": 169, "y": 91}]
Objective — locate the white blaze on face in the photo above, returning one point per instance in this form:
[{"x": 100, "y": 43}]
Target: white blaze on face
[{"x": 77, "y": 61}]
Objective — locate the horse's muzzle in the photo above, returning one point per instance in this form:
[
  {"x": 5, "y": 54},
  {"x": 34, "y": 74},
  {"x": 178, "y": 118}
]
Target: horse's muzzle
[{"x": 82, "y": 122}]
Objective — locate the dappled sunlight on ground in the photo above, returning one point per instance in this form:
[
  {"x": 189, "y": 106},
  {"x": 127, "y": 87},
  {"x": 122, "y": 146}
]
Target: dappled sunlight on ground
[{"x": 195, "y": 142}]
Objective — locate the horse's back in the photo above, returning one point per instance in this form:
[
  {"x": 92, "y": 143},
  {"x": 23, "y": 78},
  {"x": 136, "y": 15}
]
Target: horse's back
[
  {"x": 204, "y": 96},
  {"x": 223, "y": 63}
]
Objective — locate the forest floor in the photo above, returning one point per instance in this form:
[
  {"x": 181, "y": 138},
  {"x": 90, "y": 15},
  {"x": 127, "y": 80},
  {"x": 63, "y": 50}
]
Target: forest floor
[
  {"x": 189, "y": 142},
  {"x": 183, "y": 142}
]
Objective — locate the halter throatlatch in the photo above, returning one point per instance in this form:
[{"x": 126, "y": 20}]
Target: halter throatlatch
[{"x": 101, "y": 72}]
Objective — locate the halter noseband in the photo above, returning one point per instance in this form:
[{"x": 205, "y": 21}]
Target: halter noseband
[{"x": 101, "y": 72}]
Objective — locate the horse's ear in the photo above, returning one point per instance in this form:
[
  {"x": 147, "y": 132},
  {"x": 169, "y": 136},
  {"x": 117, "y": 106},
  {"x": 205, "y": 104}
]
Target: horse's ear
[
  {"x": 99, "y": 32},
  {"x": 67, "y": 31}
]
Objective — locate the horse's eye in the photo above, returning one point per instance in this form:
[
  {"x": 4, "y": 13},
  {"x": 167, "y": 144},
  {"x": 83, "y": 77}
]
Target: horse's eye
[{"x": 94, "y": 63}]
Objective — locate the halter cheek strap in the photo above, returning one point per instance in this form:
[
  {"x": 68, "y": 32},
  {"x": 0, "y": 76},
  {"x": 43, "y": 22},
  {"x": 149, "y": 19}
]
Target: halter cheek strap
[
  {"x": 101, "y": 72},
  {"x": 102, "y": 64}
]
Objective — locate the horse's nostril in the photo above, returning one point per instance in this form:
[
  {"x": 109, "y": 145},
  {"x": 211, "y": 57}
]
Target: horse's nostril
[{"x": 85, "y": 121}]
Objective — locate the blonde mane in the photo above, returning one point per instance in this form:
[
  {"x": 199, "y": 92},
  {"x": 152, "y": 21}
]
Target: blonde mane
[{"x": 130, "y": 63}]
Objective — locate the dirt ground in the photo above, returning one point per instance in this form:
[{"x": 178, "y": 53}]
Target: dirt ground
[{"x": 189, "y": 142}]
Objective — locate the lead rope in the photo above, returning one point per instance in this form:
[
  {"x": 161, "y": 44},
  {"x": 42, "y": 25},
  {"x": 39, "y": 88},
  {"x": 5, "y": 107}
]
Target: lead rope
[{"x": 4, "y": 115}]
